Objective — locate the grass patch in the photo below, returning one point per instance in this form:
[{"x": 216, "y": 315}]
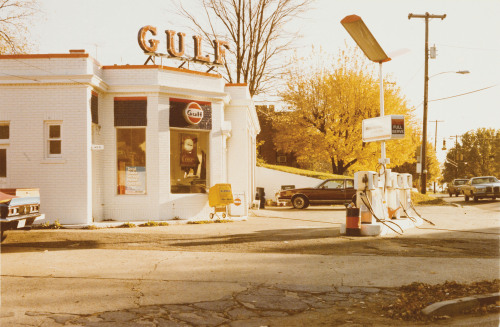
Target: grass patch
[
  {"x": 163, "y": 223},
  {"x": 150, "y": 223},
  {"x": 216, "y": 221},
  {"x": 47, "y": 225},
  {"x": 303, "y": 172},
  {"x": 91, "y": 227},
  {"x": 127, "y": 225},
  {"x": 425, "y": 199}
]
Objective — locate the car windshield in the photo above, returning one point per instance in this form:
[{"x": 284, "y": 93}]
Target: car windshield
[
  {"x": 484, "y": 180},
  {"x": 333, "y": 184},
  {"x": 461, "y": 182}
]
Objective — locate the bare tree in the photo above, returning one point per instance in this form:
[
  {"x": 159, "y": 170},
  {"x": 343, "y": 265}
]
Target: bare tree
[
  {"x": 14, "y": 22},
  {"x": 256, "y": 34}
]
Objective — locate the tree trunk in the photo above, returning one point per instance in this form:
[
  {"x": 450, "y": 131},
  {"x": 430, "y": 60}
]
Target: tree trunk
[{"x": 339, "y": 167}]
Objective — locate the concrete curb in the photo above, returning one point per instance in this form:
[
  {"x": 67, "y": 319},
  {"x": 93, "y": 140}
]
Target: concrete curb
[
  {"x": 113, "y": 224},
  {"x": 457, "y": 306}
]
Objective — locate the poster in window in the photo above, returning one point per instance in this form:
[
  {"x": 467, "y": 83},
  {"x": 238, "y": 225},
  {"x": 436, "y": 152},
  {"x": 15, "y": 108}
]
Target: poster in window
[
  {"x": 189, "y": 153},
  {"x": 135, "y": 180}
]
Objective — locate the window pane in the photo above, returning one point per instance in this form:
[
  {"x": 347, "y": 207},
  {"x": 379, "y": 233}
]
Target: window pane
[
  {"x": 54, "y": 131},
  {"x": 54, "y": 147},
  {"x": 3, "y": 162},
  {"x": 4, "y": 131},
  {"x": 188, "y": 162},
  {"x": 131, "y": 160}
]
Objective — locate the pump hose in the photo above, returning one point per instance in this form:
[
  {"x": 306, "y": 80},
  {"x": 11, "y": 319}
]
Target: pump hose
[
  {"x": 364, "y": 198},
  {"x": 414, "y": 220},
  {"x": 427, "y": 221}
]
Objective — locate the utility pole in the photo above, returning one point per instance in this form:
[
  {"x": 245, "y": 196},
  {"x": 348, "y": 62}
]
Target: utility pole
[
  {"x": 435, "y": 142},
  {"x": 426, "y": 80},
  {"x": 456, "y": 153}
]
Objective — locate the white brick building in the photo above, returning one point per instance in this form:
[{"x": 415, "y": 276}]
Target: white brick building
[{"x": 116, "y": 143}]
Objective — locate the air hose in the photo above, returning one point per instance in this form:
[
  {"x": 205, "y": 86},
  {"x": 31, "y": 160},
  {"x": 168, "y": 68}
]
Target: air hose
[
  {"x": 412, "y": 218},
  {"x": 366, "y": 202}
]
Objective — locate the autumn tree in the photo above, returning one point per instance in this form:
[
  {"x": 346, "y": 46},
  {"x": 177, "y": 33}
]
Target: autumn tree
[
  {"x": 256, "y": 32},
  {"x": 327, "y": 99},
  {"x": 475, "y": 153},
  {"x": 432, "y": 165},
  {"x": 15, "y": 17}
]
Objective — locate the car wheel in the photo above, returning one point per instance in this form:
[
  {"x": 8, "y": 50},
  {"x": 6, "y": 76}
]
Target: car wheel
[
  {"x": 451, "y": 194},
  {"x": 3, "y": 236},
  {"x": 466, "y": 197},
  {"x": 476, "y": 198},
  {"x": 300, "y": 202}
]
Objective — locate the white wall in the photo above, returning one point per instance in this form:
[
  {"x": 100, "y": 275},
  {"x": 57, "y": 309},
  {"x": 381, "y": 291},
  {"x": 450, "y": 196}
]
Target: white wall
[
  {"x": 82, "y": 185},
  {"x": 241, "y": 150},
  {"x": 271, "y": 180},
  {"x": 64, "y": 184}
]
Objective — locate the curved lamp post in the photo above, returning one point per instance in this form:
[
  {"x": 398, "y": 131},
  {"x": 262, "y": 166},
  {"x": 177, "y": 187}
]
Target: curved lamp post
[{"x": 369, "y": 45}]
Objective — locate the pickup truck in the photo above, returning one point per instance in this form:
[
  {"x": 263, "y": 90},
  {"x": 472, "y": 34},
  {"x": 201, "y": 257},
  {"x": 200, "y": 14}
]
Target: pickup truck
[
  {"x": 455, "y": 187},
  {"x": 19, "y": 209}
]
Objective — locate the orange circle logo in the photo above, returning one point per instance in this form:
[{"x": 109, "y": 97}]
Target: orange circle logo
[{"x": 193, "y": 113}]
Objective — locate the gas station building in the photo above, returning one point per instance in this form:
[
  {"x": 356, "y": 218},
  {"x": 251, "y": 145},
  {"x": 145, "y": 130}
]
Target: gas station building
[{"x": 123, "y": 142}]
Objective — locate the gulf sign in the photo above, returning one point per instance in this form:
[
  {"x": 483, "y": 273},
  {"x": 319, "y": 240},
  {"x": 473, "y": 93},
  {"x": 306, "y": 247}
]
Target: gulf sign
[
  {"x": 389, "y": 127},
  {"x": 193, "y": 114}
]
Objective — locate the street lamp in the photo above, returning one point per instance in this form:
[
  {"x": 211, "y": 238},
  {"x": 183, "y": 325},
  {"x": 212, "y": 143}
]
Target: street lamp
[
  {"x": 463, "y": 72},
  {"x": 369, "y": 45},
  {"x": 440, "y": 121}
]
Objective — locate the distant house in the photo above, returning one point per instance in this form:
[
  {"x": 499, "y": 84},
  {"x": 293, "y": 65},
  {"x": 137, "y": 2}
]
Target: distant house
[{"x": 265, "y": 140}]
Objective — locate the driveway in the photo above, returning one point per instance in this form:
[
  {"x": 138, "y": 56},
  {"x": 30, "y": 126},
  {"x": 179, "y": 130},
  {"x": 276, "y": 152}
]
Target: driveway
[{"x": 281, "y": 267}]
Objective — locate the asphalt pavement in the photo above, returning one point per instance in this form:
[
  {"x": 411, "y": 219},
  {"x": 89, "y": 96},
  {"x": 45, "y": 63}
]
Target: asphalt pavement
[{"x": 72, "y": 285}]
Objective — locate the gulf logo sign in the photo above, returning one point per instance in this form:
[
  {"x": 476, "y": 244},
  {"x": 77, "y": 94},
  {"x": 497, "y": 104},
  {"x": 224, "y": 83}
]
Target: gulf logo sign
[{"x": 193, "y": 113}]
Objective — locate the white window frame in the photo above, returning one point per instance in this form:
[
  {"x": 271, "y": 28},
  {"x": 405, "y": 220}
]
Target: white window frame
[
  {"x": 48, "y": 139},
  {"x": 116, "y": 159}
]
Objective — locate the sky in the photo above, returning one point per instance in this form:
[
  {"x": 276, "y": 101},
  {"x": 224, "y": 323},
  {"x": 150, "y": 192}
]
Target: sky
[{"x": 467, "y": 39}]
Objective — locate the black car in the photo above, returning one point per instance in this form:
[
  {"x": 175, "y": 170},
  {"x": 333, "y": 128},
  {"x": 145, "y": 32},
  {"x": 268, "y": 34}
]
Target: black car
[{"x": 330, "y": 191}]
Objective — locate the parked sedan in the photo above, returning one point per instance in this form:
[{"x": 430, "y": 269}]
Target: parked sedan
[
  {"x": 481, "y": 187},
  {"x": 455, "y": 187},
  {"x": 330, "y": 191}
]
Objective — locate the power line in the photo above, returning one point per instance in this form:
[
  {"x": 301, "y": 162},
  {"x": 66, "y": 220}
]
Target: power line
[
  {"x": 454, "y": 96},
  {"x": 469, "y": 48}
]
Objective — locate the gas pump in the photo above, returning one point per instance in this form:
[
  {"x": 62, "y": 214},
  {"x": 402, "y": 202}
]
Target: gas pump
[
  {"x": 392, "y": 194},
  {"x": 370, "y": 197},
  {"x": 405, "y": 192}
]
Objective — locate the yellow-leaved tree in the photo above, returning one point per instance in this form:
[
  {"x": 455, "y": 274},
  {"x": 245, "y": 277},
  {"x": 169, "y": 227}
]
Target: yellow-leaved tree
[{"x": 327, "y": 99}]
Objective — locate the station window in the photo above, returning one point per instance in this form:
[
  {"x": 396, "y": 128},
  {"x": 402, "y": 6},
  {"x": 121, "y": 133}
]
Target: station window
[
  {"x": 188, "y": 161},
  {"x": 4, "y": 131},
  {"x": 131, "y": 160},
  {"x": 3, "y": 163},
  {"x": 53, "y": 137},
  {"x": 4, "y": 140}
]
